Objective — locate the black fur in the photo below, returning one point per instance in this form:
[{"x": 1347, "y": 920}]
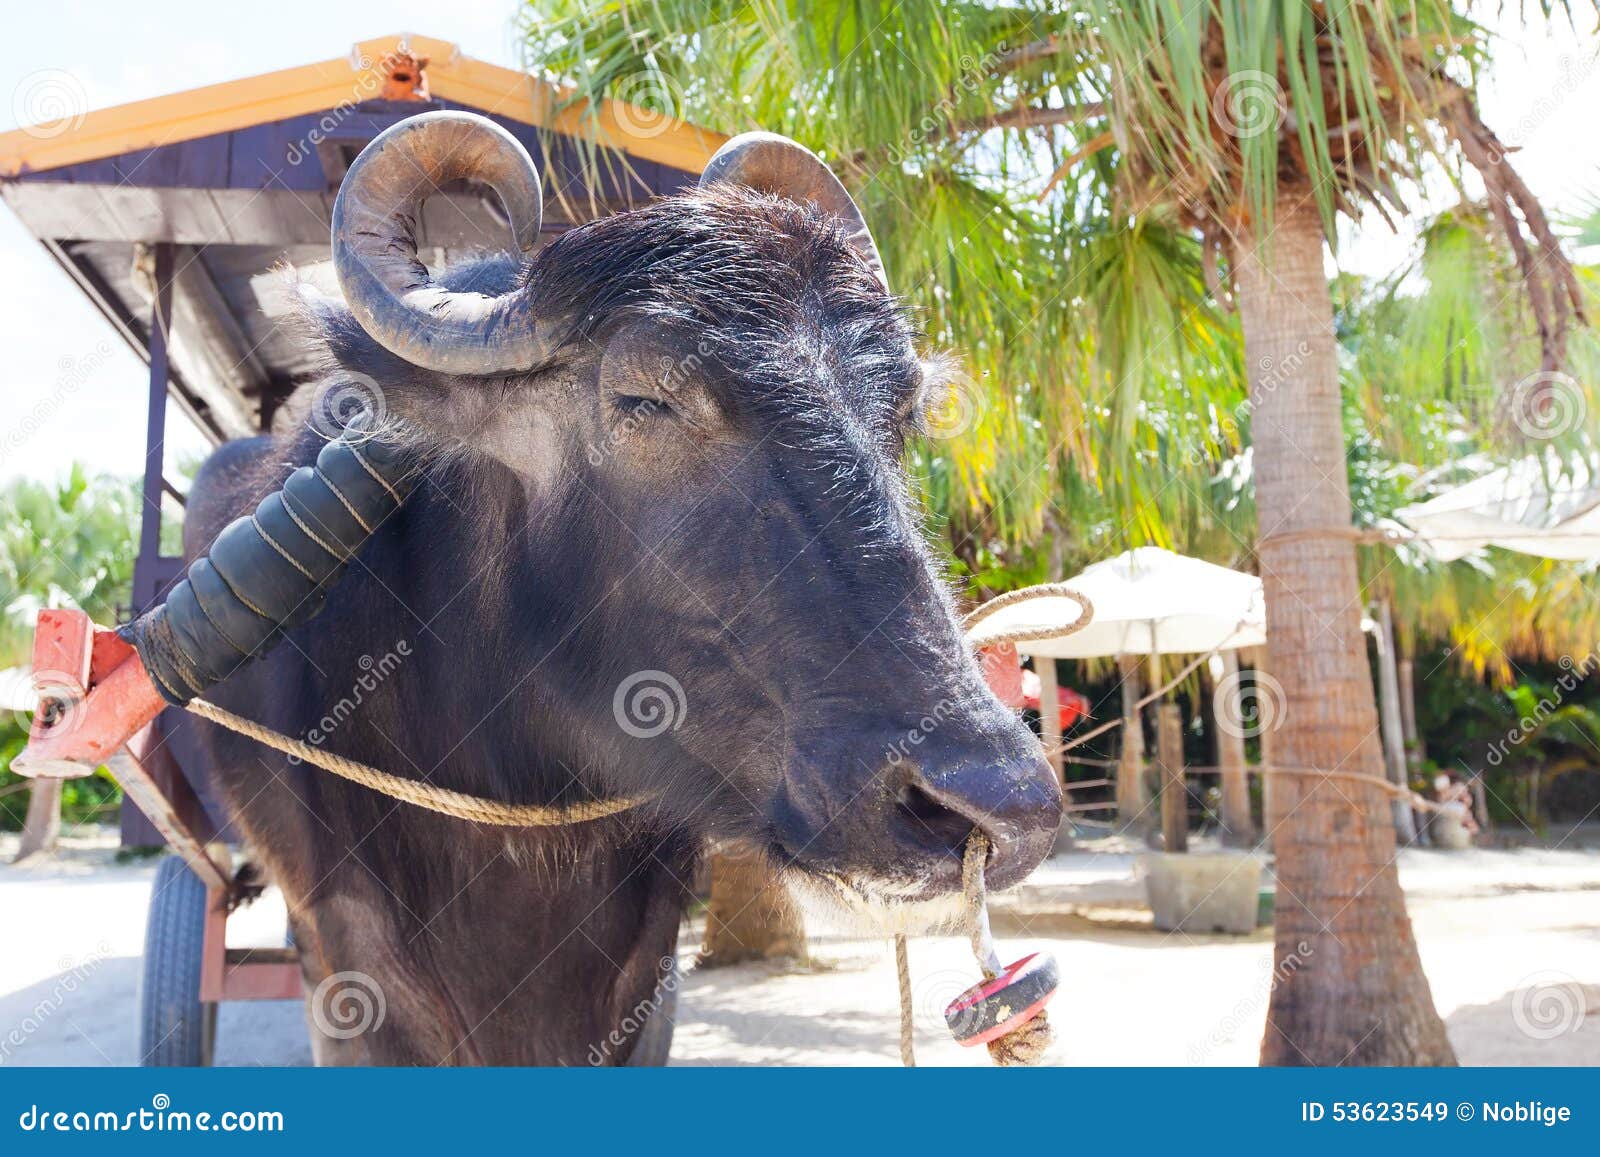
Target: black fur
[{"x": 743, "y": 528}]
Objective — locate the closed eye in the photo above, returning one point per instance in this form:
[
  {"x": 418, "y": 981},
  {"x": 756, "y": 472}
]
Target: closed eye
[{"x": 637, "y": 408}]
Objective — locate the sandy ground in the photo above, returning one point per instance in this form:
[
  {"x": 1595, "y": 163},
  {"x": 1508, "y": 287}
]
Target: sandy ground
[{"x": 1510, "y": 940}]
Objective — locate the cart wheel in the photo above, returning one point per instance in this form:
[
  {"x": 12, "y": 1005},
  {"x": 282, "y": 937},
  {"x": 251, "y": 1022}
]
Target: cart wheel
[
  {"x": 175, "y": 1026},
  {"x": 655, "y": 1038}
]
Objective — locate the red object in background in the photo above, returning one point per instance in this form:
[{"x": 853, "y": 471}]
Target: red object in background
[
  {"x": 1073, "y": 705},
  {"x": 1016, "y": 688},
  {"x": 1002, "y": 670}
]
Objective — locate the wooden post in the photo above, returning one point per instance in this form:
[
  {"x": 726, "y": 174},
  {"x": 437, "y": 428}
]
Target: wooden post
[
  {"x": 1133, "y": 803},
  {"x": 147, "y": 579},
  {"x": 1238, "y": 826},
  {"x": 750, "y": 915},
  {"x": 1049, "y": 713},
  {"x": 1394, "y": 746},
  {"x": 1480, "y": 809},
  {"x": 1174, "y": 798},
  {"x": 1405, "y": 668}
]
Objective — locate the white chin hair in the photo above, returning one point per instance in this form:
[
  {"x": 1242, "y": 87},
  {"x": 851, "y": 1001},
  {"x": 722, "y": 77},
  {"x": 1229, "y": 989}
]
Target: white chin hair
[{"x": 876, "y": 908}]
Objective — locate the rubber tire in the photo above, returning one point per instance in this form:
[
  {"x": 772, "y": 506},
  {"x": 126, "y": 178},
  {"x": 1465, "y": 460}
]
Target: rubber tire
[
  {"x": 176, "y": 1028},
  {"x": 655, "y": 1038}
]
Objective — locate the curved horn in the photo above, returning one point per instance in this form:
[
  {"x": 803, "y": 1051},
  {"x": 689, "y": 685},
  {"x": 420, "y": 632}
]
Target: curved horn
[
  {"x": 375, "y": 245},
  {"x": 775, "y": 164}
]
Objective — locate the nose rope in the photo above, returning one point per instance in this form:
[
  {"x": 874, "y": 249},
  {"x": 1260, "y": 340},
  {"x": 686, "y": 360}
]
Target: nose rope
[{"x": 1024, "y": 1045}]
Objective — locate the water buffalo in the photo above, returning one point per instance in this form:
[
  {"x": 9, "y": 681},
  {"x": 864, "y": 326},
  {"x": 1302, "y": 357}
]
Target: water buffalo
[{"x": 664, "y": 546}]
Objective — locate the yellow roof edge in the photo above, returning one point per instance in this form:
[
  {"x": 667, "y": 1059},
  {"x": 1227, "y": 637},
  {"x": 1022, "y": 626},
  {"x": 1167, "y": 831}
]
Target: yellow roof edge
[{"x": 331, "y": 84}]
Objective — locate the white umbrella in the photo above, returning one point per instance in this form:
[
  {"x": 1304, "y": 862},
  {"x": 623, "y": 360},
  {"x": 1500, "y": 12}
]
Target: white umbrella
[
  {"x": 16, "y": 690},
  {"x": 1535, "y": 505},
  {"x": 1147, "y": 601}
]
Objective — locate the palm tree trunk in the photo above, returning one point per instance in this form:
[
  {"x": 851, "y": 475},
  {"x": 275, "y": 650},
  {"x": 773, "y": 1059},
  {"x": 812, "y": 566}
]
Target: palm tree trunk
[
  {"x": 750, "y": 915},
  {"x": 1133, "y": 803},
  {"x": 42, "y": 826},
  {"x": 1350, "y": 987}
]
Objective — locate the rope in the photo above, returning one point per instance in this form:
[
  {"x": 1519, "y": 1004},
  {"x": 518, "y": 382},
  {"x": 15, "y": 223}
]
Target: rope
[
  {"x": 972, "y": 894},
  {"x": 1024, "y": 1045},
  {"x": 1420, "y": 802},
  {"x": 1160, "y": 691},
  {"x": 1031, "y": 634},
  {"x": 423, "y": 795},
  {"x": 902, "y": 965},
  {"x": 1337, "y": 533}
]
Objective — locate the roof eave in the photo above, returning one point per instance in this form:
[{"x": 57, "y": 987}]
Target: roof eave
[{"x": 332, "y": 84}]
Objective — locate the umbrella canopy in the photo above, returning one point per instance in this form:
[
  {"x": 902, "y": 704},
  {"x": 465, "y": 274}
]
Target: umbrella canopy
[
  {"x": 1147, "y": 601},
  {"x": 1537, "y": 505}
]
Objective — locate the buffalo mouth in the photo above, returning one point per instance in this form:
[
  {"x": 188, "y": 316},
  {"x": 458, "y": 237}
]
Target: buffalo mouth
[
  {"x": 903, "y": 868},
  {"x": 871, "y": 901}
]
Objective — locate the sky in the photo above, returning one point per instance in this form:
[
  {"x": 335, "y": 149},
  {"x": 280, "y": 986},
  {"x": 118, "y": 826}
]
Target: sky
[{"x": 71, "y": 389}]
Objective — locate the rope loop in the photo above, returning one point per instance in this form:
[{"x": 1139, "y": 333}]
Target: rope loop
[{"x": 1027, "y": 594}]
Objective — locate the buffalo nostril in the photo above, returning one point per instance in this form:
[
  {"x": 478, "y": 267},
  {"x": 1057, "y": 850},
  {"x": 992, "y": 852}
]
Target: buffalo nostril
[{"x": 933, "y": 821}]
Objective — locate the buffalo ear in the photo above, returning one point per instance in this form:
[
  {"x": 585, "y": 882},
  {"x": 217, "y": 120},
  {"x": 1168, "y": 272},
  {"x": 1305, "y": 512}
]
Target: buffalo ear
[{"x": 943, "y": 378}]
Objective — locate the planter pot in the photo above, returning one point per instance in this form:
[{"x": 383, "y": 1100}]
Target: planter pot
[
  {"x": 1203, "y": 892},
  {"x": 1449, "y": 832}
]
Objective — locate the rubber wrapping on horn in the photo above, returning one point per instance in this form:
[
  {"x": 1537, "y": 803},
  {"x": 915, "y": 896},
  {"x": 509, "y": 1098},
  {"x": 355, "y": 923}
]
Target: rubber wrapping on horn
[{"x": 270, "y": 571}]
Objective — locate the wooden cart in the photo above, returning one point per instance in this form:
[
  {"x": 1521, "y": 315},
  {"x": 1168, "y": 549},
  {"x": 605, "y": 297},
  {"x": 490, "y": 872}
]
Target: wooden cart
[{"x": 170, "y": 215}]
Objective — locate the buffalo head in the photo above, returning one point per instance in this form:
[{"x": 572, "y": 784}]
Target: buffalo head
[{"x": 691, "y": 420}]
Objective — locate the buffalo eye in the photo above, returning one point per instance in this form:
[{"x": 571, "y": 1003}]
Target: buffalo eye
[{"x": 637, "y": 408}]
